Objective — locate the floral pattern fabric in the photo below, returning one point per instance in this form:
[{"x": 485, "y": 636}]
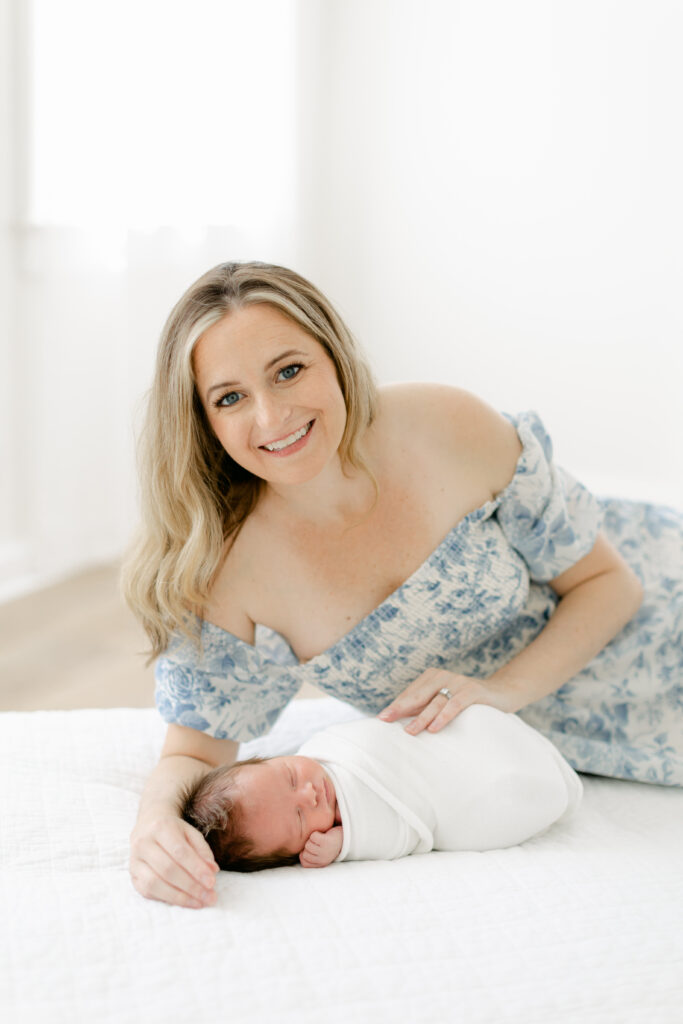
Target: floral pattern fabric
[{"x": 480, "y": 597}]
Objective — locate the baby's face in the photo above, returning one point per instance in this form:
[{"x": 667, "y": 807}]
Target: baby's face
[{"x": 284, "y": 800}]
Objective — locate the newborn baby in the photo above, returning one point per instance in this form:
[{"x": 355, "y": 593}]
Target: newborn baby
[{"x": 367, "y": 790}]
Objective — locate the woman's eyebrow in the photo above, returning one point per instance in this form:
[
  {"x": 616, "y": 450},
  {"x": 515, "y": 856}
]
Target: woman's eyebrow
[{"x": 235, "y": 383}]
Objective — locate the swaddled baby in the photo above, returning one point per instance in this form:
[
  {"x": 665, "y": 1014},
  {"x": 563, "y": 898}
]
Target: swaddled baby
[{"x": 367, "y": 790}]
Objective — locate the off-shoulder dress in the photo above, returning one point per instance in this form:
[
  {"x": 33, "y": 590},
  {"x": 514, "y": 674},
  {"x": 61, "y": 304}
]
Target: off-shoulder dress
[{"x": 478, "y": 599}]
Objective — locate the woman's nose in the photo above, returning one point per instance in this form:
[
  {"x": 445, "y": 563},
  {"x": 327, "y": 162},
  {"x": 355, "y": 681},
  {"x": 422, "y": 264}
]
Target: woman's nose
[{"x": 269, "y": 413}]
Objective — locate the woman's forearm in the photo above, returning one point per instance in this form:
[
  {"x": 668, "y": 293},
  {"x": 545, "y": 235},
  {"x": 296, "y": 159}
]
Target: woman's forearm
[
  {"x": 169, "y": 859},
  {"x": 585, "y": 620},
  {"x": 162, "y": 789}
]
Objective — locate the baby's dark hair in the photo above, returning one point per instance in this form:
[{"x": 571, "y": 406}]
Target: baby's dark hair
[{"x": 211, "y": 804}]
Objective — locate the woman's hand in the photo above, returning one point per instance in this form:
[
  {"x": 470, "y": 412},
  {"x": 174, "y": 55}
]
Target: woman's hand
[
  {"x": 434, "y": 709},
  {"x": 322, "y": 848},
  {"x": 172, "y": 862}
]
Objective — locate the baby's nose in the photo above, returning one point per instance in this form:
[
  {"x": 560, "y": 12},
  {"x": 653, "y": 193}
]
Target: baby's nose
[{"x": 310, "y": 793}]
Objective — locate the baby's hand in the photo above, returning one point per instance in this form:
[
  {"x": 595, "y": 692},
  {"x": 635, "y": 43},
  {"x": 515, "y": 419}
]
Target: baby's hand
[{"x": 322, "y": 848}]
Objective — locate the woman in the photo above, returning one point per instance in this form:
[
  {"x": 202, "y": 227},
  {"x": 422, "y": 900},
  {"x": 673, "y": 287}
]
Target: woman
[{"x": 408, "y": 549}]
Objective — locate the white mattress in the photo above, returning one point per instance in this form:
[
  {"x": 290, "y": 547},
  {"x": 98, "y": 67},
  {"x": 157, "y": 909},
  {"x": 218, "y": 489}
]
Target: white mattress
[{"x": 584, "y": 923}]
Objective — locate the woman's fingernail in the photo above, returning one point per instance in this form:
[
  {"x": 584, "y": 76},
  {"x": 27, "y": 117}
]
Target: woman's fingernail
[{"x": 384, "y": 715}]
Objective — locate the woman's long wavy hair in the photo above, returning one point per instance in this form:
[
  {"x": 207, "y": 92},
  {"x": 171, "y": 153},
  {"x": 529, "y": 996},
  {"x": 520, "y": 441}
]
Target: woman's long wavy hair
[{"x": 193, "y": 495}]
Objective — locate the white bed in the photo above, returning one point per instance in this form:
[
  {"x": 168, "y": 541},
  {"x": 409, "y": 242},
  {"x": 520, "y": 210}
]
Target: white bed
[{"x": 584, "y": 923}]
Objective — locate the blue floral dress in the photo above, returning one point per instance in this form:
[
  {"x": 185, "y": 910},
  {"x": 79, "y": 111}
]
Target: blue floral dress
[{"x": 478, "y": 599}]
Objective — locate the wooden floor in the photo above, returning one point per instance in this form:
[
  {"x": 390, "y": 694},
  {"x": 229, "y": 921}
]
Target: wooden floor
[{"x": 75, "y": 645}]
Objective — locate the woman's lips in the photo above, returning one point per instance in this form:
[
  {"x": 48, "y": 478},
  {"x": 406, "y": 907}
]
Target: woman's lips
[{"x": 291, "y": 448}]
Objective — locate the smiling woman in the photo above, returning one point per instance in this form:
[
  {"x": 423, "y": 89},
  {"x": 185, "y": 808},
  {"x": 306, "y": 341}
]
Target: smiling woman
[
  {"x": 407, "y": 549},
  {"x": 221, "y": 384}
]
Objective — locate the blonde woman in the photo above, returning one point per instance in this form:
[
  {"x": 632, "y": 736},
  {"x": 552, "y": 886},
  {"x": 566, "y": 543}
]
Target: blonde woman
[{"x": 406, "y": 549}]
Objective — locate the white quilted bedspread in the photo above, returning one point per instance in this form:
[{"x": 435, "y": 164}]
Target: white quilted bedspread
[{"x": 582, "y": 924}]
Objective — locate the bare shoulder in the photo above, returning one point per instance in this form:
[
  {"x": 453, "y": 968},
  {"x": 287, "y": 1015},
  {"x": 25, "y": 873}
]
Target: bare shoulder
[
  {"x": 457, "y": 426},
  {"x": 225, "y": 608}
]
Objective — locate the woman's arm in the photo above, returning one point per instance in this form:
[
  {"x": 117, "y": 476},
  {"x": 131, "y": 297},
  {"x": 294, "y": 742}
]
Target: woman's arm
[
  {"x": 169, "y": 859},
  {"x": 598, "y": 596}
]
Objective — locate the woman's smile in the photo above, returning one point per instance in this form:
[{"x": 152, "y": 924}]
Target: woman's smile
[{"x": 294, "y": 442}]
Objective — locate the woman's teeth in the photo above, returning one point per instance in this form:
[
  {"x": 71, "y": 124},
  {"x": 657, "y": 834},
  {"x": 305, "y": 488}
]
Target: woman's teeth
[{"x": 277, "y": 446}]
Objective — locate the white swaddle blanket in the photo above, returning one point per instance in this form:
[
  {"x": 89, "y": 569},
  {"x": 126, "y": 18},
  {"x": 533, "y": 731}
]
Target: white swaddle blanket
[{"x": 486, "y": 781}]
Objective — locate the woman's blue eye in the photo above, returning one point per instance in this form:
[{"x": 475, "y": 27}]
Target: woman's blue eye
[
  {"x": 230, "y": 399},
  {"x": 285, "y": 374},
  {"x": 289, "y": 372}
]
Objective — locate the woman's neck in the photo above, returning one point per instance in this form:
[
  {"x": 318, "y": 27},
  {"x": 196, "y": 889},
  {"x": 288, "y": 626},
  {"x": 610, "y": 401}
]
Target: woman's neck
[{"x": 337, "y": 498}]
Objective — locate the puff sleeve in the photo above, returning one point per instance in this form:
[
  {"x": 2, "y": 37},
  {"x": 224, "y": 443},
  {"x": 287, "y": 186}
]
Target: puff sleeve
[
  {"x": 546, "y": 515},
  {"x": 225, "y": 687}
]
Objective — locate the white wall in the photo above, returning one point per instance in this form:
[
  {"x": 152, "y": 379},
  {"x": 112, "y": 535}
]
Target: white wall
[{"x": 499, "y": 206}]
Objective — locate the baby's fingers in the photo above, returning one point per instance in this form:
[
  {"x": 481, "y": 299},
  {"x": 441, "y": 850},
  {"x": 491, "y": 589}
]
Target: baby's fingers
[
  {"x": 313, "y": 843},
  {"x": 310, "y": 860}
]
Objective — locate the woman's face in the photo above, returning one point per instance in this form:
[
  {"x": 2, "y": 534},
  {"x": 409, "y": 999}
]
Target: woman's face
[{"x": 271, "y": 394}]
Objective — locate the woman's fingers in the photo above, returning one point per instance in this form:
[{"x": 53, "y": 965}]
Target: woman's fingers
[
  {"x": 429, "y": 715},
  {"x": 202, "y": 848},
  {"x": 182, "y": 871},
  {"x": 417, "y": 695},
  {"x": 432, "y": 708},
  {"x": 152, "y": 887},
  {"x": 160, "y": 877},
  {"x": 443, "y": 709},
  {"x": 166, "y": 865}
]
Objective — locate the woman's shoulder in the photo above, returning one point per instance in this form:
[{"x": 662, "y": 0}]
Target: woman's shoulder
[
  {"x": 455, "y": 426},
  {"x": 225, "y": 607},
  {"x": 431, "y": 406}
]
